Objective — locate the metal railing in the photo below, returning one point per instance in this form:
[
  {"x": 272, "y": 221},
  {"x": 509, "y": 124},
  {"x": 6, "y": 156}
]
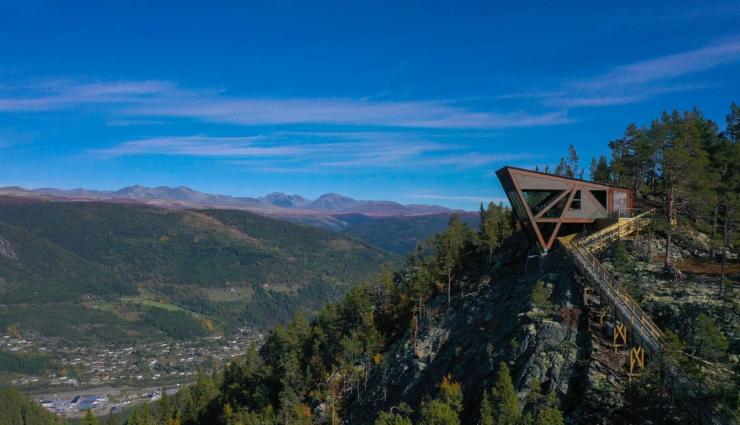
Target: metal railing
[{"x": 582, "y": 253}]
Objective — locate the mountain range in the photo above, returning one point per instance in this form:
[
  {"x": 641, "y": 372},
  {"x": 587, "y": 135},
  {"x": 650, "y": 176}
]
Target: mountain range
[{"x": 273, "y": 204}]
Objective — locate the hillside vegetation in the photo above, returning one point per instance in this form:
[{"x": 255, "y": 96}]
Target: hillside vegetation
[
  {"x": 463, "y": 335},
  {"x": 16, "y": 409},
  {"x": 401, "y": 234},
  {"x": 114, "y": 271}
]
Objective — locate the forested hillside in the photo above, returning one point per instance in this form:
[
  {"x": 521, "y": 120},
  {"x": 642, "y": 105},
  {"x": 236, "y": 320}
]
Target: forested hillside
[
  {"x": 401, "y": 234},
  {"x": 396, "y": 234},
  {"x": 114, "y": 271},
  {"x": 16, "y": 409},
  {"x": 463, "y": 335}
]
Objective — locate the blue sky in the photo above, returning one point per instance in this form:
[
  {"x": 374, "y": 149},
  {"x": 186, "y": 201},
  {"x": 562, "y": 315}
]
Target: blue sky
[{"x": 417, "y": 102}]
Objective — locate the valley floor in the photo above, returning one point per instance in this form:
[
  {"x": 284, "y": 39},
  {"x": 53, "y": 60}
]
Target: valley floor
[{"x": 123, "y": 375}]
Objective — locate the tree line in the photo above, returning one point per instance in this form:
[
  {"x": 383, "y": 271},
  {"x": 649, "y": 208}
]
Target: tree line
[
  {"x": 308, "y": 372},
  {"x": 685, "y": 165}
]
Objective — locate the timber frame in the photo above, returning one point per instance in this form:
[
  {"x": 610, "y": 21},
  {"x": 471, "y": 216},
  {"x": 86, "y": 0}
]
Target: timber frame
[{"x": 545, "y": 202}]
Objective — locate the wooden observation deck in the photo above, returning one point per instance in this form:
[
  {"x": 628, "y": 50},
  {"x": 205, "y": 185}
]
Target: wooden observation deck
[{"x": 549, "y": 205}]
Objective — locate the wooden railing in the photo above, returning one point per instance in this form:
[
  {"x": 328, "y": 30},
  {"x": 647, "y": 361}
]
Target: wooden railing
[
  {"x": 582, "y": 253},
  {"x": 599, "y": 240}
]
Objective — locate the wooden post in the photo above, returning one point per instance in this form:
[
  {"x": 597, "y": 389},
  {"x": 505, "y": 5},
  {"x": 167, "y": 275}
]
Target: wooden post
[
  {"x": 637, "y": 359},
  {"x": 620, "y": 334}
]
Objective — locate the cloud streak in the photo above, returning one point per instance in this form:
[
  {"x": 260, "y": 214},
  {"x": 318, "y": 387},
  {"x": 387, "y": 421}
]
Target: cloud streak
[
  {"x": 197, "y": 146},
  {"x": 638, "y": 81},
  {"x": 163, "y": 99},
  {"x": 283, "y": 152},
  {"x": 64, "y": 94},
  {"x": 665, "y": 67}
]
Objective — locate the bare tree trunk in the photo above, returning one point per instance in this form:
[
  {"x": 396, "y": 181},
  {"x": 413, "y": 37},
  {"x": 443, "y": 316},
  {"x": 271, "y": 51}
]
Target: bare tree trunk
[
  {"x": 449, "y": 288},
  {"x": 725, "y": 246},
  {"x": 666, "y": 258},
  {"x": 714, "y": 220},
  {"x": 415, "y": 328},
  {"x": 669, "y": 210},
  {"x": 333, "y": 404}
]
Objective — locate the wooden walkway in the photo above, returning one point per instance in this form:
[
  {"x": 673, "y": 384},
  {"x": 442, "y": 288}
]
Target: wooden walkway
[{"x": 583, "y": 254}]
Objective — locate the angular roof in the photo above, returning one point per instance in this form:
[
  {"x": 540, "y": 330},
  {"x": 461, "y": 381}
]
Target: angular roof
[{"x": 555, "y": 176}]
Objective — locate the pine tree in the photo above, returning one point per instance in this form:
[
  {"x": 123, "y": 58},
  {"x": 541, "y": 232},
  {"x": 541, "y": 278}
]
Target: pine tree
[
  {"x": 451, "y": 393},
  {"x": 166, "y": 409},
  {"x": 448, "y": 247},
  {"x": 684, "y": 165},
  {"x": 89, "y": 419},
  {"x": 141, "y": 416},
  {"x": 436, "y": 412},
  {"x": 548, "y": 413},
  {"x": 569, "y": 167},
  {"x": 708, "y": 340},
  {"x": 549, "y": 416},
  {"x": 486, "y": 410},
  {"x": 184, "y": 402},
  {"x": 600, "y": 170},
  {"x": 490, "y": 228},
  {"x": 503, "y": 396},
  {"x": 292, "y": 412},
  {"x": 724, "y": 160},
  {"x": 562, "y": 169},
  {"x": 733, "y": 124},
  {"x": 447, "y": 407},
  {"x": 203, "y": 391},
  {"x": 634, "y": 157},
  {"x": 399, "y": 415},
  {"x": 573, "y": 165}
]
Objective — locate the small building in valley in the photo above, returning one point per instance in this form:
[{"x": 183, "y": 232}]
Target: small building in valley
[{"x": 549, "y": 205}]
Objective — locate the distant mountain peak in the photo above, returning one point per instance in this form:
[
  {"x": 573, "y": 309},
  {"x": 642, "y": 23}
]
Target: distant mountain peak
[
  {"x": 284, "y": 200},
  {"x": 333, "y": 202},
  {"x": 276, "y": 203},
  {"x": 334, "y": 195}
]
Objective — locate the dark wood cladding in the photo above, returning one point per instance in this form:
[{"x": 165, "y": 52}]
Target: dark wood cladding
[{"x": 551, "y": 213}]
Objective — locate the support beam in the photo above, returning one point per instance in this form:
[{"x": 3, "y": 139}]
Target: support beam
[{"x": 620, "y": 336}]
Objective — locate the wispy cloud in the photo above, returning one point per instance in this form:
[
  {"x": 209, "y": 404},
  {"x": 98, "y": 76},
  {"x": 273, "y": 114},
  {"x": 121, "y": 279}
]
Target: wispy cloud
[
  {"x": 63, "y": 94},
  {"x": 665, "y": 67},
  {"x": 161, "y": 99},
  {"x": 638, "y": 81},
  {"x": 326, "y": 150},
  {"x": 296, "y": 151},
  {"x": 339, "y": 111},
  {"x": 198, "y": 146}
]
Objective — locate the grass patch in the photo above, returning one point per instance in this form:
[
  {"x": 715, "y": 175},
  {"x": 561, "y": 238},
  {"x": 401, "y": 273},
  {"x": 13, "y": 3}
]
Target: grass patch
[{"x": 218, "y": 295}]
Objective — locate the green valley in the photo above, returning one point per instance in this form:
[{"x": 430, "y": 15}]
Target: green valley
[{"x": 123, "y": 271}]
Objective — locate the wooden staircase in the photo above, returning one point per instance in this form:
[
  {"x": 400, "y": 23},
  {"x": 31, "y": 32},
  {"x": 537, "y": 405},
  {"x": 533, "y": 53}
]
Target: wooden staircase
[{"x": 583, "y": 254}]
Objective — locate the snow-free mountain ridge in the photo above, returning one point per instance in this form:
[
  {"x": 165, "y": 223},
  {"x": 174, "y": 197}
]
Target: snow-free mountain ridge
[{"x": 274, "y": 204}]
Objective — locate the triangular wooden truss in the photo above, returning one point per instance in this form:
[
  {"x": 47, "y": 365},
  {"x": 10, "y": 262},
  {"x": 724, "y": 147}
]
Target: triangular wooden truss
[{"x": 554, "y": 205}]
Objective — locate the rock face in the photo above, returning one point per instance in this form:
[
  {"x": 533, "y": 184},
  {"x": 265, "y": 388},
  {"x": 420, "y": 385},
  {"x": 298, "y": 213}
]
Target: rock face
[
  {"x": 498, "y": 322},
  {"x": 6, "y": 249},
  {"x": 556, "y": 340},
  {"x": 674, "y": 303}
]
